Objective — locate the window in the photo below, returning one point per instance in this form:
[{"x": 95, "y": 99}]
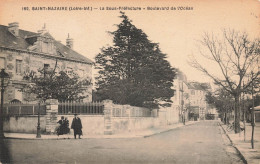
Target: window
[
  {"x": 192, "y": 92},
  {"x": 81, "y": 72},
  {"x": 46, "y": 66},
  {"x": 45, "y": 46},
  {"x": 2, "y": 63},
  {"x": 18, "y": 66},
  {"x": 18, "y": 94},
  {"x": 69, "y": 70}
]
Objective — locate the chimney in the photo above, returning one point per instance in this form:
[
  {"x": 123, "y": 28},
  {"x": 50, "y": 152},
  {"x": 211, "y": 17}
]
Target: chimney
[
  {"x": 14, "y": 28},
  {"x": 43, "y": 30},
  {"x": 69, "y": 42}
]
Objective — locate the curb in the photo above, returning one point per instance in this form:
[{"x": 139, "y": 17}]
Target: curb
[
  {"x": 146, "y": 136},
  {"x": 17, "y": 138},
  {"x": 141, "y": 136},
  {"x": 38, "y": 138},
  {"x": 72, "y": 138},
  {"x": 233, "y": 145}
]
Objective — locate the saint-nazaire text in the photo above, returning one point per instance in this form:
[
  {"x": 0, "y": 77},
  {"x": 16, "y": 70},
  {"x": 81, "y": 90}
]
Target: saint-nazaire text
[{"x": 57, "y": 8}]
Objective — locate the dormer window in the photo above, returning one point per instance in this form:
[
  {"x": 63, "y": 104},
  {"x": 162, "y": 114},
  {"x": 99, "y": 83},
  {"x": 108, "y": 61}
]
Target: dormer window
[
  {"x": 47, "y": 47},
  {"x": 42, "y": 44}
]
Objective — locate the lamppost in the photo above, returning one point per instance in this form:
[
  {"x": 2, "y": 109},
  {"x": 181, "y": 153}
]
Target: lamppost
[
  {"x": 38, "y": 132},
  {"x": 38, "y": 135},
  {"x": 4, "y": 82},
  {"x": 182, "y": 104},
  {"x": 253, "y": 115}
]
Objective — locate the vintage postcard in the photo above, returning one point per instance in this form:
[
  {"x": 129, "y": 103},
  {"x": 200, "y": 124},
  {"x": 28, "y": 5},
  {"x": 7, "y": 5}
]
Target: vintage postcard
[{"x": 119, "y": 81}]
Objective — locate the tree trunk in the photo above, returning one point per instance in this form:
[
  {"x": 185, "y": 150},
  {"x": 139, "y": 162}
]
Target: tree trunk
[
  {"x": 253, "y": 119},
  {"x": 244, "y": 118},
  {"x": 226, "y": 117},
  {"x": 237, "y": 114}
]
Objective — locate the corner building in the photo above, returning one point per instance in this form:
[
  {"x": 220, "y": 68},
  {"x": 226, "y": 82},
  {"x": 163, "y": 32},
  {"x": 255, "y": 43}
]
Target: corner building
[{"x": 23, "y": 52}]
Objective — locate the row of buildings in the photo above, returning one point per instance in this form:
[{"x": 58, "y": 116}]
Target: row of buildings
[
  {"x": 22, "y": 52},
  {"x": 190, "y": 99}
]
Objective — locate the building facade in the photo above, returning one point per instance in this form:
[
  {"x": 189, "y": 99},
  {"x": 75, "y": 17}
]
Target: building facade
[
  {"x": 181, "y": 96},
  {"x": 197, "y": 98},
  {"x": 190, "y": 98},
  {"x": 23, "y": 52}
]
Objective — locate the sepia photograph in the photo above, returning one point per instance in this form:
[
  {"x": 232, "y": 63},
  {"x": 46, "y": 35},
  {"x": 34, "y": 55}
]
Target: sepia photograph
[{"x": 140, "y": 82}]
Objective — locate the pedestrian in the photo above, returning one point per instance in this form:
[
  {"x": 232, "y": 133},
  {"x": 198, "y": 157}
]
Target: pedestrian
[
  {"x": 62, "y": 127},
  {"x": 67, "y": 124},
  {"x": 76, "y": 126}
]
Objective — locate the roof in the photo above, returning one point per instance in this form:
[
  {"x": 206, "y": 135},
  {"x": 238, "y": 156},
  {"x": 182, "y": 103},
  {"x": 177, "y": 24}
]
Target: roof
[
  {"x": 199, "y": 86},
  {"x": 181, "y": 75},
  {"x": 25, "y": 40}
]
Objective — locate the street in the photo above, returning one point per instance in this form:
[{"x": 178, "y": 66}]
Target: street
[{"x": 203, "y": 142}]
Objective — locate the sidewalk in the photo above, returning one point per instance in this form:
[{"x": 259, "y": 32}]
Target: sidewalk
[
  {"x": 133, "y": 134},
  {"x": 251, "y": 156}
]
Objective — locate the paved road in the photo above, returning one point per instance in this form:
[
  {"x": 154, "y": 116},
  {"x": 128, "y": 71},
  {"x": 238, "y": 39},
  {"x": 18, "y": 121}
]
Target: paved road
[{"x": 200, "y": 143}]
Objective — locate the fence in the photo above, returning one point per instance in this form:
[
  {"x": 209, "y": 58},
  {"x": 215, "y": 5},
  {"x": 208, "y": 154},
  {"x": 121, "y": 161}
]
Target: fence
[
  {"x": 130, "y": 111},
  {"x": 24, "y": 109},
  {"x": 89, "y": 108},
  {"x": 70, "y": 107}
]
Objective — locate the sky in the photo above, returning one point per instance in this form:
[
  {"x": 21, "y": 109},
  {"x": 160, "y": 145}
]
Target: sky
[{"x": 177, "y": 31}]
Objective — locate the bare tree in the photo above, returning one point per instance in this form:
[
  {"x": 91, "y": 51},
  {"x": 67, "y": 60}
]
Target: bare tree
[{"x": 236, "y": 57}]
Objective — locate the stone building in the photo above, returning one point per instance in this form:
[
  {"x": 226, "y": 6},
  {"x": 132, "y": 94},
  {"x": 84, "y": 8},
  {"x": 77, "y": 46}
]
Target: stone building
[
  {"x": 190, "y": 98},
  {"x": 197, "y": 98},
  {"x": 22, "y": 52},
  {"x": 181, "y": 95}
]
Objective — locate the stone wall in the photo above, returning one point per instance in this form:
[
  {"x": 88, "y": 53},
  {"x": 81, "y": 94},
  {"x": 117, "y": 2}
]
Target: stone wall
[
  {"x": 24, "y": 124},
  {"x": 28, "y": 124},
  {"x": 125, "y": 124},
  {"x": 129, "y": 122},
  {"x": 166, "y": 116},
  {"x": 92, "y": 124}
]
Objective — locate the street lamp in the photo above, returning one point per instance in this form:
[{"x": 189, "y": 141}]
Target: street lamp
[
  {"x": 4, "y": 82},
  {"x": 38, "y": 134},
  {"x": 182, "y": 103}
]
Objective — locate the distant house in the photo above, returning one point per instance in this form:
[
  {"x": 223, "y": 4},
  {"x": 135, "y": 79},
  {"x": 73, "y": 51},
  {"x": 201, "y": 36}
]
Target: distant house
[
  {"x": 181, "y": 95},
  {"x": 23, "y": 51},
  {"x": 257, "y": 113},
  {"x": 197, "y": 98},
  {"x": 189, "y": 98}
]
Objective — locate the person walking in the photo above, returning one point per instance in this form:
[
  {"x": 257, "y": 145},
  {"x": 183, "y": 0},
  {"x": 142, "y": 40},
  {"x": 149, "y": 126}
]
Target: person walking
[{"x": 76, "y": 126}]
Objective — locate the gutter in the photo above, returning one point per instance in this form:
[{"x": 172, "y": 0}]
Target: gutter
[{"x": 46, "y": 55}]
